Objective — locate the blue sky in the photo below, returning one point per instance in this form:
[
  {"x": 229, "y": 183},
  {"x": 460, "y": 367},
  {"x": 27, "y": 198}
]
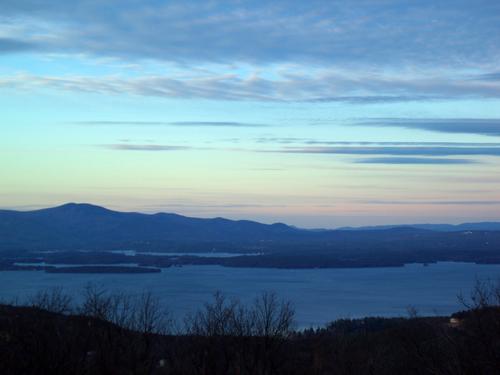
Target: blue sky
[{"x": 318, "y": 113}]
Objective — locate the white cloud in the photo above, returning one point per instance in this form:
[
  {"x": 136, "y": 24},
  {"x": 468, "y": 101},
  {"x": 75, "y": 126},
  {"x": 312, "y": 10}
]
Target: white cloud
[{"x": 322, "y": 86}]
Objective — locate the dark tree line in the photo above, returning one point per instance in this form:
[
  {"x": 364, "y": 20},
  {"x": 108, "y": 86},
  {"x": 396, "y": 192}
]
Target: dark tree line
[{"x": 115, "y": 333}]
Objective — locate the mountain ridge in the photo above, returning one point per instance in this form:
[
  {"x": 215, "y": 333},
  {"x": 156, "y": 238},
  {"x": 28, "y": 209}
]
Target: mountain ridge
[
  {"x": 83, "y": 227},
  {"x": 468, "y": 226},
  {"x": 92, "y": 208}
]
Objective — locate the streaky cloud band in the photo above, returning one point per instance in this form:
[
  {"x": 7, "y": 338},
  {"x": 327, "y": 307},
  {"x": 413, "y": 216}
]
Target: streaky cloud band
[
  {"x": 218, "y": 124},
  {"x": 316, "y": 87},
  {"x": 265, "y": 32},
  {"x": 310, "y": 141},
  {"x": 395, "y": 151},
  {"x": 423, "y": 161},
  {"x": 434, "y": 202},
  {"x": 174, "y": 123},
  {"x": 10, "y": 45},
  {"x": 481, "y": 126},
  {"x": 143, "y": 147}
]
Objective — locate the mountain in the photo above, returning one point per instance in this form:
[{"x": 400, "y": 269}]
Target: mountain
[
  {"x": 87, "y": 227},
  {"x": 75, "y": 225},
  {"x": 481, "y": 226}
]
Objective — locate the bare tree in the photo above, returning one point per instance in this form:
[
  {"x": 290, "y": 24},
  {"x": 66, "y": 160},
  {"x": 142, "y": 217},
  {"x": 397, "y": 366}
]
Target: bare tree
[
  {"x": 236, "y": 338},
  {"x": 272, "y": 317},
  {"x": 149, "y": 316},
  {"x": 120, "y": 310},
  {"x": 215, "y": 319},
  {"x": 54, "y": 300},
  {"x": 485, "y": 293},
  {"x": 267, "y": 317}
]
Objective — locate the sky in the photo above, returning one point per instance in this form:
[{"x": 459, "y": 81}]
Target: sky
[{"x": 313, "y": 113}]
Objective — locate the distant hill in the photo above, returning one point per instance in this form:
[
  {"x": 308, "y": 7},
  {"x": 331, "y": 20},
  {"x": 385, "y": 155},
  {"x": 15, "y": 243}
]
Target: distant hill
[
  {"x": 87, "y": 227},
  {"x": 481, "y": 226},
  {"x": 84, "y": 225}
]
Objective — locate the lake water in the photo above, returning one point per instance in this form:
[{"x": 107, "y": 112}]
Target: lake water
[
  {"x": 214, "y": 254},
  {"x": 319, "y": 295},
  {"x": 58, "y": 265}
]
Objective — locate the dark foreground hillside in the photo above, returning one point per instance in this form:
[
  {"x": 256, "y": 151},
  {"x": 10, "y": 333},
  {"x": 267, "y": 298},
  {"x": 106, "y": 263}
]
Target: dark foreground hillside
[{"x": 227, "y": 338}]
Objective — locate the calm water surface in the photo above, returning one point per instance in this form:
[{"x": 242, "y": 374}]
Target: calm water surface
[
  {"x": 319, "y": 295},
  {"x": 213, "y": 254}
]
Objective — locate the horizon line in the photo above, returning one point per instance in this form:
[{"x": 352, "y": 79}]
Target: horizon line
[{"x": 31, "y": 208}]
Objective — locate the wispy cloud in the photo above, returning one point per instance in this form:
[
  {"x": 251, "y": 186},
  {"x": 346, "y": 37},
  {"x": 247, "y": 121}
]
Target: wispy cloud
[
  {"x": 8, "y": 45},
  {"x": 175, "y": 123},
  {"x": 376, "y": 99},
  {"x": 365, "y": 32},
  {"x": 145, "y": 147},
  {"x": 397, "y": 151},
  {"x": 218, "y": 124},
  {"x": 434, "y": 155},
  {"x": 489, "y": 127},
  {"x": 402, "y": 153},
  {"x": 228, "y": 205},
  {"x": 493, "y": 76},
  {"x": 283, "y": 50},
  {"x": 301, "y": 87},
  {"x": 117, "y": 123},
  {"x": 433, "y": 202},
  {"x": 406, "y": 160},
  {"x": 311, "y": 141}
]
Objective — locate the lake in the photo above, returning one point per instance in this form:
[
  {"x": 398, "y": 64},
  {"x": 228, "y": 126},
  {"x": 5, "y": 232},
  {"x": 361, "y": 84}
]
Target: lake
[{"x": 319, "y": 295}]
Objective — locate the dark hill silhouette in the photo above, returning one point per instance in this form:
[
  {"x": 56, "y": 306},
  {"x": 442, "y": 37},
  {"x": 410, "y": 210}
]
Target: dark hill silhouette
[
  {"x": 75, "y": 225},
  {"x": 483, "y": 226},
  {"x": 87, "y": 227}
]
